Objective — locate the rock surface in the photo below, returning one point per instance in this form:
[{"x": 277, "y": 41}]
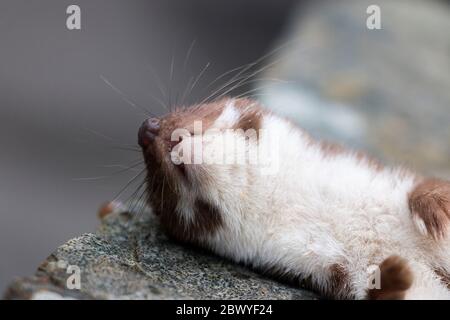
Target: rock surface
[{"x": 130, "y": 258}]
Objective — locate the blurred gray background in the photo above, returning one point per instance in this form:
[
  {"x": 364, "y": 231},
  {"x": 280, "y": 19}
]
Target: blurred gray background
[
  {"x": 51, "y": 93},
  {"x": 386, "y": 91}
]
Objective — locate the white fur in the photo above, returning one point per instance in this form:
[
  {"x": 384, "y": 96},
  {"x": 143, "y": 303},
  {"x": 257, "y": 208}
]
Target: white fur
[
  {"x": 228, "y": 117},
  {"x": 317, "y": 211}
]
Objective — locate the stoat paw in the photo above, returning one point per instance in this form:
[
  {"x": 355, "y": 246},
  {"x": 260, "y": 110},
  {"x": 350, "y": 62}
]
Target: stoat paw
[
  {"x": 396, "y": 278},
  {"x": 109, "y": 207},
  {"x": 429, "y": 203}
]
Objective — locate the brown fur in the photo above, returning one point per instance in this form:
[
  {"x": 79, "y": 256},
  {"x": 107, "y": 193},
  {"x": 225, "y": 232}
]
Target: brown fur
[
  {"x": 251, "y": 119},
  {"x": 396, "y": 278},
  {"x": 444, "y": 276},
  {"x": 185, "y": 118},
  {"x": 206, "y": 220},
  {"x": 430, "y": 200},
  {"x": 339, "y": 282},
  {"x": 163, "y": 195},
  {"x": 105, "y": 209},
  {"x": 162, "y": 175}
]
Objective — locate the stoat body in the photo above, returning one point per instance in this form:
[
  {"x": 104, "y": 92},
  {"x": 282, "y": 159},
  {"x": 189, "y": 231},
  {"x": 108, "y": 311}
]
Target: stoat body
[{"x": 323, "y": 216}]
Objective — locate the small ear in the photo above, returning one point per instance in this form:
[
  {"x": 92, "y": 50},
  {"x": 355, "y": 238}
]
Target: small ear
[
  {"x": 429, "y": 203},
  {"x": 229, "y": 116},
  {"x": 250, "y": 118}
]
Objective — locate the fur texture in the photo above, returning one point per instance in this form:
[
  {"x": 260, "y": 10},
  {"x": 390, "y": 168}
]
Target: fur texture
[{"x": 326, "y": 215}]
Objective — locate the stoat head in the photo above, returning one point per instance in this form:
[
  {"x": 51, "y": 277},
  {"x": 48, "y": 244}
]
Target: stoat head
[{"x": 200, "y": 161}]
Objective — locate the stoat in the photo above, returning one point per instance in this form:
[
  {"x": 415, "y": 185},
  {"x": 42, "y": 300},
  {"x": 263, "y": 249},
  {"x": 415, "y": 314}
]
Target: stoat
[{"x": 323, "y": 216}]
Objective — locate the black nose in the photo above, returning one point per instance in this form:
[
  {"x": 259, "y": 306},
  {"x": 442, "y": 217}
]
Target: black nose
[{"x": 148, "y": 131}]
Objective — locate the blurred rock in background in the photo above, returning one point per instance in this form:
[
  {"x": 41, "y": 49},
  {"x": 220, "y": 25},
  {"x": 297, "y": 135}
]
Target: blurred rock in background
[{"x": 386, "y": 91}]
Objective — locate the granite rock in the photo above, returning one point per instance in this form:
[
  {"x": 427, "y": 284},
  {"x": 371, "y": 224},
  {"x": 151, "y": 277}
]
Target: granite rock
[{"x": 129, "y": 257}]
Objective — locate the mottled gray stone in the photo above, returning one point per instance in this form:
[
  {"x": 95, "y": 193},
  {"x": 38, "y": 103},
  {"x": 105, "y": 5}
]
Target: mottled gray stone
[
  {"x": 386, "y": 91},
  {"x": 130, "y": 258}
]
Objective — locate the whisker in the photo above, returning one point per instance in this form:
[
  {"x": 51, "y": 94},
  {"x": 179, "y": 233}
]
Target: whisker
[
  {"x": 170, "y": 80},
  {"x": 111, "y": 146},
  {"x": 229, "y": 81},
  {"x": 133, "y": 197},
  {"x": 124, "y": 167},
  {"x": 198, "y": 78},
  {"x": 222, "y": 87},
  {"x": 188, "y": 54},
  {"x": 159, "y": 83},
  {"x": 224, "y": 74},
  {"x": 128, "y": 184},
  {"x": 135, "y": 202},
  {"x": 106, "y": 176},
  {"x": 138, "y": 203},
  {"x": 238, "y": 86},
  {"x": 256, "y": 95},
  {"x": 137, "y": 195},
  {"x": 141, "y": 206},
  {"x": 159, "y": 101},
  {"x": 162, "y": 194},
  {"x": 104, "y": 136},
  {"x": 253, "y": 90},
  {"x": 127, "y": 149},
  {"x": 241, "y": 81},
  {"x": 244, "y": 69},
  {"x": 118, "y": 166},
  {"x": 90, "y": 178},
  {"x": 184, "y": 95},
  {"x": 124, "y": 97},
  {"x": 186, "y": 59}
]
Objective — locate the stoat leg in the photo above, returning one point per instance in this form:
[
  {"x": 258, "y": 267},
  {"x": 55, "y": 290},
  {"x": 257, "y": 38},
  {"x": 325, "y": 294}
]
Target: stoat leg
[
  {"x": 396, "y": 278},
  {"x": 110, "y": 207},
  {"x": 429, "y": 203},
  {"x": 390, "y": 280},
  {"x": 400, "y": 279}
]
